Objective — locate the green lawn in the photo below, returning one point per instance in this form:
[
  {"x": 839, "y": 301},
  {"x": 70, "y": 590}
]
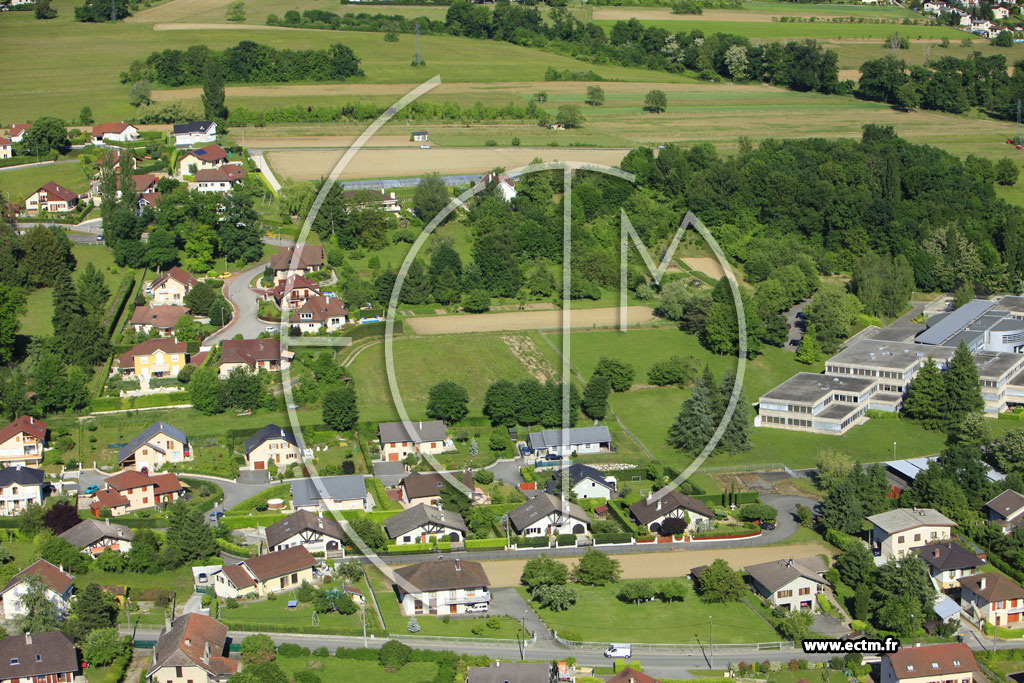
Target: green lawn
[
  {"x": 21, "y": 182},
  {"x": 277, "y": 613},
  {"x": 177, "y": 580},
  {"x": 433, "y": 626},
  {"x": 37, "y": 320},
  {"x": 817, "y": 676},
  {"x": 334, "y": 669},
  {"x": 775, "y": 30},
  {"x": 474, "y": 361},
  {"x": 600, "y": 616}
]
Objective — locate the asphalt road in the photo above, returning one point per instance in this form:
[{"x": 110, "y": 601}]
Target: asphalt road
[
  {"x": 246, "y": 304},
  {"x": 797, "y": 326}
]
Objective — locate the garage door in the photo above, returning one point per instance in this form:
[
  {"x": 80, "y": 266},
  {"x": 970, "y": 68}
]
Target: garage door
[
  {"x": 1012, "y": 618},
  {"x": 259, "y": 465}
]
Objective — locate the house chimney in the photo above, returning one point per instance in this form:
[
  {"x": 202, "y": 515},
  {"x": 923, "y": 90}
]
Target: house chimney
[
  {"x": 981, "y": 583},
  {"x": 206, "y": 652},
  {"x": 28, "y": 638},
  {"x": 457, "y": 567},
  {"x": 936, "y": 553},
  {"x": 659, "y": 505}
]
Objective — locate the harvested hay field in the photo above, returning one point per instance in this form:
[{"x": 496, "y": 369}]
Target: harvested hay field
[
  {"x": 525, "y": 320},
  {"x": 704, "y": 264},
  {"x": 398, "y": 163}
]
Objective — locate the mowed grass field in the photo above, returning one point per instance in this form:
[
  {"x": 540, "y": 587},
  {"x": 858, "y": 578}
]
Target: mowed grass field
[
  {"x": 37, "y": 320},
  {"x": 474, "y": 361},
  {"x": 777, "y": 30},
  {"x": 19, "y": 183}
]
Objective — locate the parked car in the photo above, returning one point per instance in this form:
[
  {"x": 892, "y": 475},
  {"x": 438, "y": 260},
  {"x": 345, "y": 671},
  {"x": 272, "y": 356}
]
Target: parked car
[
  {"x": 478, "y": 607},
  {"x": 767, "y": 526},
  {"x": 91, "y": 490},
  {"x": 623, "y": 650},
  {"x": 270, "y": 328}
]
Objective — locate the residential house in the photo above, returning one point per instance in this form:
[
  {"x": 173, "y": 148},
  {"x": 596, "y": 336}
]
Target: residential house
[
  {"x": 16, "y": 133},
  {"x": 116, "y": 132},
  {"x": 171, "y": 286},
  {"x": 653, "y": 510},
  {"x": 154, "y": 358},
  {"x": 630, "y": 675},
  {"x": 544, "y": 515},
  {"x": 150, "y": 450},
  {"x": 145, "y": 182},
  {"x": 563, "y": 443},
  {"x": 148, "y": 199},
  {"x": 160, "y": 318},
  {"x": 292, "y": 293},
  {"x": 420, "y": 136},
  {"x": 274, "y": 572},
  {"x": 1005, "y": 510},
  {"x": 308, "y": 259},
  {"x": 897, "y": 532},
  {"x": 58, "y": 583},
  {"x": 6, "y": 148},
  {"x": 935, "y": 7},
  {"x": 313, "y": 531},
  {"x": 790, "y": 584},
  {"x": 426, "y": 524},
  {"x": 271, "y": 444},
  {"x": 1000, "y": 13},
  {"x": 22, "y": 442},
  {"x": 220, "y": 179},
  {"x": 202, "y": 159},
  {"x": 425, "y": 487},
  {"x": 949, "y": 562},
  {"x": 945, "y": 663},
  {"x": 46, "y": 657},
  {"x": 129, "y": 491},
  {"x": 93, "y": 536},
  {"x": 503, "y": 183},
  {"x": 255, "y": 354},
  {"x": 511, "y": 672},
  {"x": 345, "y": 492},
  {"x": 194, "y": 133},
  {"x": 19, "y": 487},
  {"x": 585, "y": 481},
  {"x": 398, "y": 440},
  {"x": 992, "y": 597},
  {"x": 193, "y": 647},
  {"x": 50, "y": 198},
  {"x": 320, "y": 313},
  {"x": 441, "y": 586}
]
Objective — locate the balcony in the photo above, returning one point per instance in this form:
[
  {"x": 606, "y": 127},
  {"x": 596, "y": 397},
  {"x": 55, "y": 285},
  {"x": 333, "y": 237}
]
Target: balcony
[{"x": 480, "y": 596}]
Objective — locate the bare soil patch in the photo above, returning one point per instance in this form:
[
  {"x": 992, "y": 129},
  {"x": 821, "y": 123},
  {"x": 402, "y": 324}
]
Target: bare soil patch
[
  {"x": 525, "y": 320},
  {"x": 529, "y": 355},
  {"x": 503, "y": 573},
  {"x": 709, "y": 266},
  {"x": 396, "y": 163}
]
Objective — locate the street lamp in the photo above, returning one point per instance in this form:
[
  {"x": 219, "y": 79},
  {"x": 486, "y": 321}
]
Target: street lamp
[
  {"x": 893, "y": 450},
  {"x": 711, "y": 640}
]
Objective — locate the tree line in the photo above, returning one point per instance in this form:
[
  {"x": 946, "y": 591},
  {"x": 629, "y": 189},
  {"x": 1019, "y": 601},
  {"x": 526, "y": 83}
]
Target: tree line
[
  {"x": 247, "y": 62},
  {"x": 419, "y": 110}
]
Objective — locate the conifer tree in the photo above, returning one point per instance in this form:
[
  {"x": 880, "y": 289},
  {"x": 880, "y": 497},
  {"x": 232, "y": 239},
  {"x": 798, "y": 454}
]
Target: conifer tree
[
  {"x": 696, "y": 421},
  {"x": 962, "y": 386},
  {"x": 927, "y": 399},
  {"x": 809, "y": 351}
]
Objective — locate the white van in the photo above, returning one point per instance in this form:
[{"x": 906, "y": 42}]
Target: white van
[{"x": 624, "y": 650}]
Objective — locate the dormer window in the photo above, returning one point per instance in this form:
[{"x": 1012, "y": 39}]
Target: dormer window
[
  {"x": 935, "y": 665},
  {"x": 910, "y": 667},
  {"x": 956, "y": 662},
  {"x": 14, "y": 661}
]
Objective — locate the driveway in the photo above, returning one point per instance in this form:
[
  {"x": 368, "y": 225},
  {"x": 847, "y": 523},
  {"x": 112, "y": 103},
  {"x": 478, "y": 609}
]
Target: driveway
[
  {"x": 506, "y": 602},
  {"x": 508, "y": 470},
  {"x": 389, "y": 473},
  {"x": 246, "y": 304}
]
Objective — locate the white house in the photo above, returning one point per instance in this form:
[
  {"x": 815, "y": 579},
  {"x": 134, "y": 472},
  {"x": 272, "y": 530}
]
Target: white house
[
  {"x": 948, "y": 563},
  {"x": 568, "y": 442},
  {"x": 195, "y": 133},
  {"x": 896, "y": 532},
  {"x": 421, "y": 438},
  {"x": 442, "y": 586},
  {"x": 58, "y": 589},
  {"x": 220, "y": 179},
  {"x": 653, "y": 510},
  {"x": 1000, "y": 12},
  {"x": 94, "y": 536},
  {"x": 948, "y": 662},
  {"x": 503, "y": 183},
  {"x": 345, "y": 492},
  {"x": 425, "y": 524},
  {"x": 993, "y": 598},
  {"x": 116, "y": 132},
  {"x": 271, "y": 573},
  {"x": 544, "y": 515},
  {"x": 6, "y": 148},
  {"x": 585, "y": 481},
  {"x": 790, "y": 584},
  {"x": 313, "y": 531},
  {"x": 318, "y": 313},
  {"x": 19, "y": 487},
  {"x": 158, "y": 445},
  {"x": 16, "y": 133}
]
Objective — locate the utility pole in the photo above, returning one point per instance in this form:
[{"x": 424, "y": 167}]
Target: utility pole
[
  {"x": 417, "y": 60},
  {"x": 711, "y": 641},
  {"x": 1019, "y": 140},
  {"x": 113, "y": 10}
]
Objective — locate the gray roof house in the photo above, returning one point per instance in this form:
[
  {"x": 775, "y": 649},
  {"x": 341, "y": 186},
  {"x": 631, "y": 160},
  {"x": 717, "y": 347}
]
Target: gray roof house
[
  {"x": 396, "y": 432},
  {"x": 651, "y": 510},
  {"x": 444, "y": 574},
  {"x": 144, "y": 438},
  {"x": 46, "y": 656},
  {"x": 586, "y": 482},
  {"x": 23, "y": 476},
  {"x": 903, "y": 519},
  {"x": 305, "y": 528},
  {"x": 562, "y": 441},
  {"x": 266, "y": 434},
  {"x": 546, "y": 509},
  {"x": 90, "y": 532},
  {"x": 347, "y": 492},
  {"x": 779, "y": 573},
  {"x": 430, "y": 519},
  {"x": 1007, "y": 506},
  {"x": 511, "y": 672}
]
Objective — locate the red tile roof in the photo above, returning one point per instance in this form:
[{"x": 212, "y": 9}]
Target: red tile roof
[
  {"x": 149, "y": 347},
  {"x": 17, "y": 128},
  {"x": 107, "y": 498},
  {"x": 249, "y": 351},
  {"x": 102, "y": 128},
  {"x": 281, "y": 562},
  {"x": 194, "y": 640},
  {"x": 321, "y": 308},
  {"x": 209, "y": 153},
  {"x": 239, "y": 577},
  {"x": 226, "y": 173},
  {"x": 151, "y": 198},
  {"x": 166, "y": 483},
  {"x": 164, "y": 317},
  {"x": 178, "y": 275},
  {"x": 932, "y": 660},
  {"x": 128, "y": 480},
  {"x": 59, "y": 581},
  {"x": 629, "y": 675},
  {"x": 144, "y": 181},
  {"x": 308, "y": 256},
  {"x": 59, "y": 191},
  {"x": 4, "y": 142},
  {"x": 26, "y": 424}
]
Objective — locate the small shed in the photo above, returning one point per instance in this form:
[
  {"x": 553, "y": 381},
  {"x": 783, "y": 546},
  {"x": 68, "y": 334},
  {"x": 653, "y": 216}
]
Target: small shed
[{"x": 420, "y": 136}]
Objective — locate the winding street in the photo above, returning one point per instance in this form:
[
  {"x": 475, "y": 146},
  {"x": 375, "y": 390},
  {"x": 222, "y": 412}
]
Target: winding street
[{"x": 246, "y": 304}]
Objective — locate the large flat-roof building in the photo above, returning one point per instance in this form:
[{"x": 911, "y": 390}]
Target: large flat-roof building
[{"x": 809, "y": 402}]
